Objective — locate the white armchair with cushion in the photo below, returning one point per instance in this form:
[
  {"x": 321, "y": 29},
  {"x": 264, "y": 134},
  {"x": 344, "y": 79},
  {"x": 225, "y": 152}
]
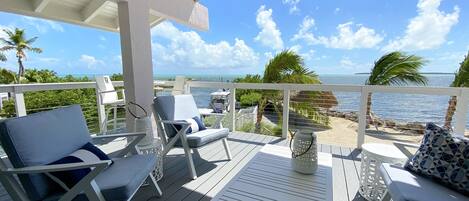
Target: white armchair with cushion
[
  {"x": 52, "y": 154},
  {"x": 173, "y": 115}
]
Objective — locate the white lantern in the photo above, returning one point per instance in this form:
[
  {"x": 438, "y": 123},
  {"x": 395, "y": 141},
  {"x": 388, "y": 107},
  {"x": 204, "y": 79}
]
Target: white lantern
[{"x": 304, "y": 152}]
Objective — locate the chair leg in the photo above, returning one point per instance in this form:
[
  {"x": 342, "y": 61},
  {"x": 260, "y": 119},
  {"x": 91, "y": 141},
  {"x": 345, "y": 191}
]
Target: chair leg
[
  {"x": 188, "y": 153},
  {"x": 227, "y": 149},
  {"x": 152, "y": 182},
  {"x": 93, "y": 192},
  {"x": 386, "y": 196},
  {"x": 190, "y": 162}
]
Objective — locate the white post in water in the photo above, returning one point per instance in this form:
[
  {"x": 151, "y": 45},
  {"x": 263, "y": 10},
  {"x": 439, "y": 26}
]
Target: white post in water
[
  {"x": 461, "y": 113},
  {"x": 362, "y": 117},
  {"x": 135, "y": 38},
  {"x": 285, "y": 112}
]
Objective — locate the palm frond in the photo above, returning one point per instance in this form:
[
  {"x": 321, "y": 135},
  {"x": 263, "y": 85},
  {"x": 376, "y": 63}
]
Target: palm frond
[{"x": 397, "y": 68}]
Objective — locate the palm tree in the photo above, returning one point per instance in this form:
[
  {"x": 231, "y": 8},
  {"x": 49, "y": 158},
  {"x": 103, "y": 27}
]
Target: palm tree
[
  {"x": 285, "y": 67},
  {"x": 461, "y": 79},
  {"x": 395, "y": 68},
  {"x": 16, "y": 41}
]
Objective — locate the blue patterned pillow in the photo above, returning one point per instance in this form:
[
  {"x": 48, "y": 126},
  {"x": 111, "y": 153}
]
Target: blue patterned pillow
[
  {"x": 443, "y": 158},
  {"x": 87, "y": 153}
]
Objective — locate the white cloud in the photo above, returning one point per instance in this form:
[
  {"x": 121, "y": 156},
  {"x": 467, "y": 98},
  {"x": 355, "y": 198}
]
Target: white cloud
[
  {"x": 90, "y": 61},
  {"x": 269, "y": 35},
  {"x": 43, "y": 26},
  {"x": 348, "y": 64},
  {"x": 337, "y": 10},
  {"x": 347, "y": 38},
  {"x": 427, "y": 30},
  {"x": 188, "y": 50},
  {"x": 102, "y": 38},
  {"x": 305, "y": 32},
  {"x": 268, "y": 55},
  {"x": 293, "y": 5}
]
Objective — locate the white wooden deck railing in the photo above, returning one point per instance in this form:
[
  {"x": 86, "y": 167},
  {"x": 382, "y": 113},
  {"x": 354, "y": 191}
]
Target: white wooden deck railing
[{"x": 460, "y": 117}]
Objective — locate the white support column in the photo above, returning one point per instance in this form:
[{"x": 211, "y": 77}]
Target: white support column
[
  {"x": 362, "y": 117},
  {"x": 285, "y": 112},
  {"x": 101, "y": 111},
  {"x": 136, "y": 54},
  {"x": 20, "y": 106},
  {"x": 461, "y": 113},
  {"x": 233, "y": 108}
]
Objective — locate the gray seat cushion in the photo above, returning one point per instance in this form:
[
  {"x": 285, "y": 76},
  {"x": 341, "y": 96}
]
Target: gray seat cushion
[
  {"x": 27, "y": 142},
  {"x": 406, "y": 186},
  {"x": 123, "y": 178},
  {"x": 204, "y": 137}
]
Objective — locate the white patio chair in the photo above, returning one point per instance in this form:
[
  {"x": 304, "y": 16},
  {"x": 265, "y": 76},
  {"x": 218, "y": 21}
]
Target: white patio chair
[
  {"x": 170, "y": 112},
  {"x": 109, "y": 97}
]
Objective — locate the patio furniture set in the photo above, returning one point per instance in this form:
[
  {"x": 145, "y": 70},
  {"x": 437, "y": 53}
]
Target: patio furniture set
[{"x": 75, "y": 169}]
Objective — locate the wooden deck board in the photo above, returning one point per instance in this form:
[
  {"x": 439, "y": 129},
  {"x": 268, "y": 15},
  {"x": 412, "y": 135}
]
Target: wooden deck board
[{"x": 215, "y": 171}]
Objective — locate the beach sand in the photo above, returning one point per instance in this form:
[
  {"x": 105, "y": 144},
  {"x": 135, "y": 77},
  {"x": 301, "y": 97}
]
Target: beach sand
[{"x": 344, "y": 133}]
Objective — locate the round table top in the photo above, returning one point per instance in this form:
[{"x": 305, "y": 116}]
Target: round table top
[{"x": 384, "y": 150}]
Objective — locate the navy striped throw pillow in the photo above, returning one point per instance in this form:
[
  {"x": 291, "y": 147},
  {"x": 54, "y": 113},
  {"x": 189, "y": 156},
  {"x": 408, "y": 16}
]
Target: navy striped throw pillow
[{"x": 88, "y": 153}]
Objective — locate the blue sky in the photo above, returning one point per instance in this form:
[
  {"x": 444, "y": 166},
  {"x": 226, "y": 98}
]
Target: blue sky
[{"x": 334, "y": 37}]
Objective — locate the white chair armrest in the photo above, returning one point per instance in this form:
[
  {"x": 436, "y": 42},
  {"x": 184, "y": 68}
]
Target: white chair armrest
[
  {"x": 182, "y": 123},
  {"x": 113, "y": 136},
  {"x": 214, "y": 114},
  {"x": 55, "y": 168}
]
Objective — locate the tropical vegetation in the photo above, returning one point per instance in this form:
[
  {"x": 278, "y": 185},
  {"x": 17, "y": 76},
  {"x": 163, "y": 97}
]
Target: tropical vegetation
[
  {"x": 395, "y": 68},
  {"x": 46, "y": 100},
  {"x": 461, "y": 79},
  {"x": 285, "y": 67},
  {"x": 16, "y": 41}
]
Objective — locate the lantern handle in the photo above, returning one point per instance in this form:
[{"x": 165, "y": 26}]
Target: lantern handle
[{"x": 294, "y": 155}]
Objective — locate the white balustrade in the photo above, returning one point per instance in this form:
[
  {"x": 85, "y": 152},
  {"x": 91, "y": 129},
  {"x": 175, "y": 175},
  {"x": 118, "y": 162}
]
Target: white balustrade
[{"x": 18, "y": 90}]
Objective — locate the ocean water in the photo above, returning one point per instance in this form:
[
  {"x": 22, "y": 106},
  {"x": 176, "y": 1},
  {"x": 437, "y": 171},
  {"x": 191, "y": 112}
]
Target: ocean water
[{"x": 391, "y": 106}]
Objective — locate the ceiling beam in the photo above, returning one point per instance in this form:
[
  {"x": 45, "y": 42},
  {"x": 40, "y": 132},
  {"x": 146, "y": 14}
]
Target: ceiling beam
[
  {"x": 53, "y": 12},
  {"x": 156, "y": 22},
  {"x": 92, "y": 9},
  {"x": 39, "y": 5},
  {"x": 188, "y": 12}
]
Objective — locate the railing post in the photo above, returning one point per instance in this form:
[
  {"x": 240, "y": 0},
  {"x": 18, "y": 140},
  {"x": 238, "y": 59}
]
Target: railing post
[
  {"x": 285, "y": 112},
  {"x": 101, "y": 111},
  {"x": 362, "y": 117},
  {"x": 233, "y": 108},
  {"x": 20, "y": 106},
  {"x": 461, "y": 113}
]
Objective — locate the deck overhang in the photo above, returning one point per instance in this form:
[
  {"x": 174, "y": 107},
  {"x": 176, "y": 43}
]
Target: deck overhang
[{"x": 103, "y": 14}]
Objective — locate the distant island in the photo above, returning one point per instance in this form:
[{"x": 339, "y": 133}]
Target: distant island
[{"x": 427, "y": 73}]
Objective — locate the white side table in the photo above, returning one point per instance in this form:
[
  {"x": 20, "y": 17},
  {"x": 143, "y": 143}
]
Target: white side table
[
  {"x": 373, "y": 155},
  {"x": 154, "y": 148}
]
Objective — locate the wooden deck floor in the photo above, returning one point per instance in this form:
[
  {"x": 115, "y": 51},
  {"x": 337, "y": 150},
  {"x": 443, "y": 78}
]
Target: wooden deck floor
[{"x": 215, "y": 171}]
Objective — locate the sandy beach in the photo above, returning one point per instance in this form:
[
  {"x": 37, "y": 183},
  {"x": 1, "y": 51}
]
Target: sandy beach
[{"x": 344, "y": 133}]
